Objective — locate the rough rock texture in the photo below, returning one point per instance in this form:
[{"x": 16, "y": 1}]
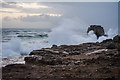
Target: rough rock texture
[
  {"x": 98, "y": 61},
  {"x": 98, "y": 30}
]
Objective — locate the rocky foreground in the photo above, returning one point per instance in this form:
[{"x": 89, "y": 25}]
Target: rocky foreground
[{"x": 95, "y": 61}]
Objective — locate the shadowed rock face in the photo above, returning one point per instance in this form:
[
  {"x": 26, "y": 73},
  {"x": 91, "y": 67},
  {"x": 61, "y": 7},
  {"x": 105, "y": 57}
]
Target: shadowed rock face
[{"x": 98, "y": 30}]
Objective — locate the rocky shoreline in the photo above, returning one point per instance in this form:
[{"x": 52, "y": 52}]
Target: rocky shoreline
[{"x": 99, "y": 61}]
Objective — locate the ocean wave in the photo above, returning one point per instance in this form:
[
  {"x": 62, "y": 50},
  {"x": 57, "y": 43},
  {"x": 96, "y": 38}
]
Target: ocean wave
[
  {"x": 35, "y": 36},
  {"x": 11, "y": 48},
  {"x": 43, "y": 35},
  {"x": 25, "y": 36}
]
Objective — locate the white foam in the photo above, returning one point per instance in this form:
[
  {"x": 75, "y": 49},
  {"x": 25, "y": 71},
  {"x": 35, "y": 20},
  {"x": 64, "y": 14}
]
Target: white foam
[
  {"x": 13, "y": 60},
  {"x": 74, "y": 32},
  {"x": 11, "y": 48},
  {"x": 18, "y": 47}
]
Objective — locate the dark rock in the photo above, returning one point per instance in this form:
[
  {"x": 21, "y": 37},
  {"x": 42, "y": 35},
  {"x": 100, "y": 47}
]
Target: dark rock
[
  {"x": 104, "y": 70},
  {"x": 98, "y": 30},
  {"x": 74, "y": 53},
  {"x": 15, "y": 66},
  {"x": 54, "y": 46},
  {"x": 33, "y": 59},
  {"x": 90, "y": 61},
  {"x": 118, "y": 49},
  {"x": 101, "y": 58},
  {"x": 111, "y": 46},
  {"x": 46, "y": 59},
  {"x": 51, "y": 62},
  {"x": 110, "y": 54},
  {"x": 107, "y": 40},
  {"x": 43, "y": 51},
  {"x": 36, "y": 52},
  {"x": 110, "y": 78},
  {"x": 116, "y": 38}
]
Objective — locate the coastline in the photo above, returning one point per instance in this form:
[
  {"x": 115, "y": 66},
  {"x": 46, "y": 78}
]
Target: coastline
[
  {"x": 13, "y": 60},
  {"x": 87, "y": 60}
]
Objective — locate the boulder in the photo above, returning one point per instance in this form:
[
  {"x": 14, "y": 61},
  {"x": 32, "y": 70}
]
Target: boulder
[
  {"x": 116, "y": 38},
  {"x": 54, "y": 46},
  {"x": 98, "y": 30},
  {"x": 33, "y": 59}
]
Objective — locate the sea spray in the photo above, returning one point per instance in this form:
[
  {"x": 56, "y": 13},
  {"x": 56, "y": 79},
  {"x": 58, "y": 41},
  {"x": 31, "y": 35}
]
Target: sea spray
[
  {"x": 74, "y": 31},
  {"x": 17, "y": 47},
  {"x": 11, "y": 41},
  {"x": 111, "y": 33},
  {"x": 11, "y": 48},
  {"x": 67, "y": 32}
]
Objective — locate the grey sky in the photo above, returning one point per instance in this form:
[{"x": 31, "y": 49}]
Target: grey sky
[
  {"x": 50, "y": 14},
  {"x": 61, "y": 0}
]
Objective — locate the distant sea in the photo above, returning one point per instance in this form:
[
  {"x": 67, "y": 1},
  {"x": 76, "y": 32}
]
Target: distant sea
[{"x": 21, "y": 41}]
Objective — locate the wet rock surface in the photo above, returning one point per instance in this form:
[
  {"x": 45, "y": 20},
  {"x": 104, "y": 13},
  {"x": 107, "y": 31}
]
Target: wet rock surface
[{"x": 99, "y": 61}]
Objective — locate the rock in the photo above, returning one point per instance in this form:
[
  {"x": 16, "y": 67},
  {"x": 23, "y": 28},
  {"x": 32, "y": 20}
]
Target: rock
[
  {"x": 104, "y": 70},
  {"x": 44, "y": 51},
  {"x": 36, "y": 52},
  {"x": 50, "y": 51},
  {"x": 52, "y": 61},
  {"x": 46, "y": 59},
  {"x": 110, "y": 78},
  {"x": 64, "y": 52},
  {"x": 74, "y": 53},
  {"x": 33, "y": 59},
  {"x": 77, "y": 62},
  {"x": 118, "y": 48},
  {"x": 88, "y": 60},
  {"x": 116, "y": 38},
  {"x": 15, "y": 66},
  {"x": 98, "y": 30},
  {"x": 107, "y": 40},
  {"x": 109, "y": 54},
  {"x": 54, "y": 46},
  {"x": 111, "y": 46},
  {"x": 101, "y": 58}
]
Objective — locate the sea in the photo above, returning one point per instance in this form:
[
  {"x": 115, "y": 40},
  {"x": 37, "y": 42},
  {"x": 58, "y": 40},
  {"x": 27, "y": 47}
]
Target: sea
[{"x": 21, "y": 41}]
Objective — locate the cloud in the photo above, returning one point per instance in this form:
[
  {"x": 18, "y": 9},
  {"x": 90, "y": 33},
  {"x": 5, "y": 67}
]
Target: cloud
[
  {"x": 7, "y": 19},
  {"x": 37, "y": 21},
  {"x": 8, "y": 4},
  {"x": 9, "y": 10},
  {"x": 31, "y": 5},
  {"x": 42, "y": 18},
  {"x": 28, "y": 7},
  {"x": 49, "y": 14},
  {"x": 42, "y": 21},
  {"x": 62, "y": 0}
]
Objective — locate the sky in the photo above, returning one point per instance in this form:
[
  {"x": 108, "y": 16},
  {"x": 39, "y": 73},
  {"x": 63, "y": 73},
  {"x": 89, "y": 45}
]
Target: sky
[
  {"x": 46, "y": 15},
  {"x": 62, "y": 0}
]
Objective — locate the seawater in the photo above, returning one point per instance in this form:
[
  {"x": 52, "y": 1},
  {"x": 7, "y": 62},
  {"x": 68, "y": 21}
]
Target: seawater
[{"x": 21, "y": 41}]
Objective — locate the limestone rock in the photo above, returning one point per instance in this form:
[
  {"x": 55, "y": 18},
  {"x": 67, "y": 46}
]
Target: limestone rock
[{"x": 98, "y": 30}]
